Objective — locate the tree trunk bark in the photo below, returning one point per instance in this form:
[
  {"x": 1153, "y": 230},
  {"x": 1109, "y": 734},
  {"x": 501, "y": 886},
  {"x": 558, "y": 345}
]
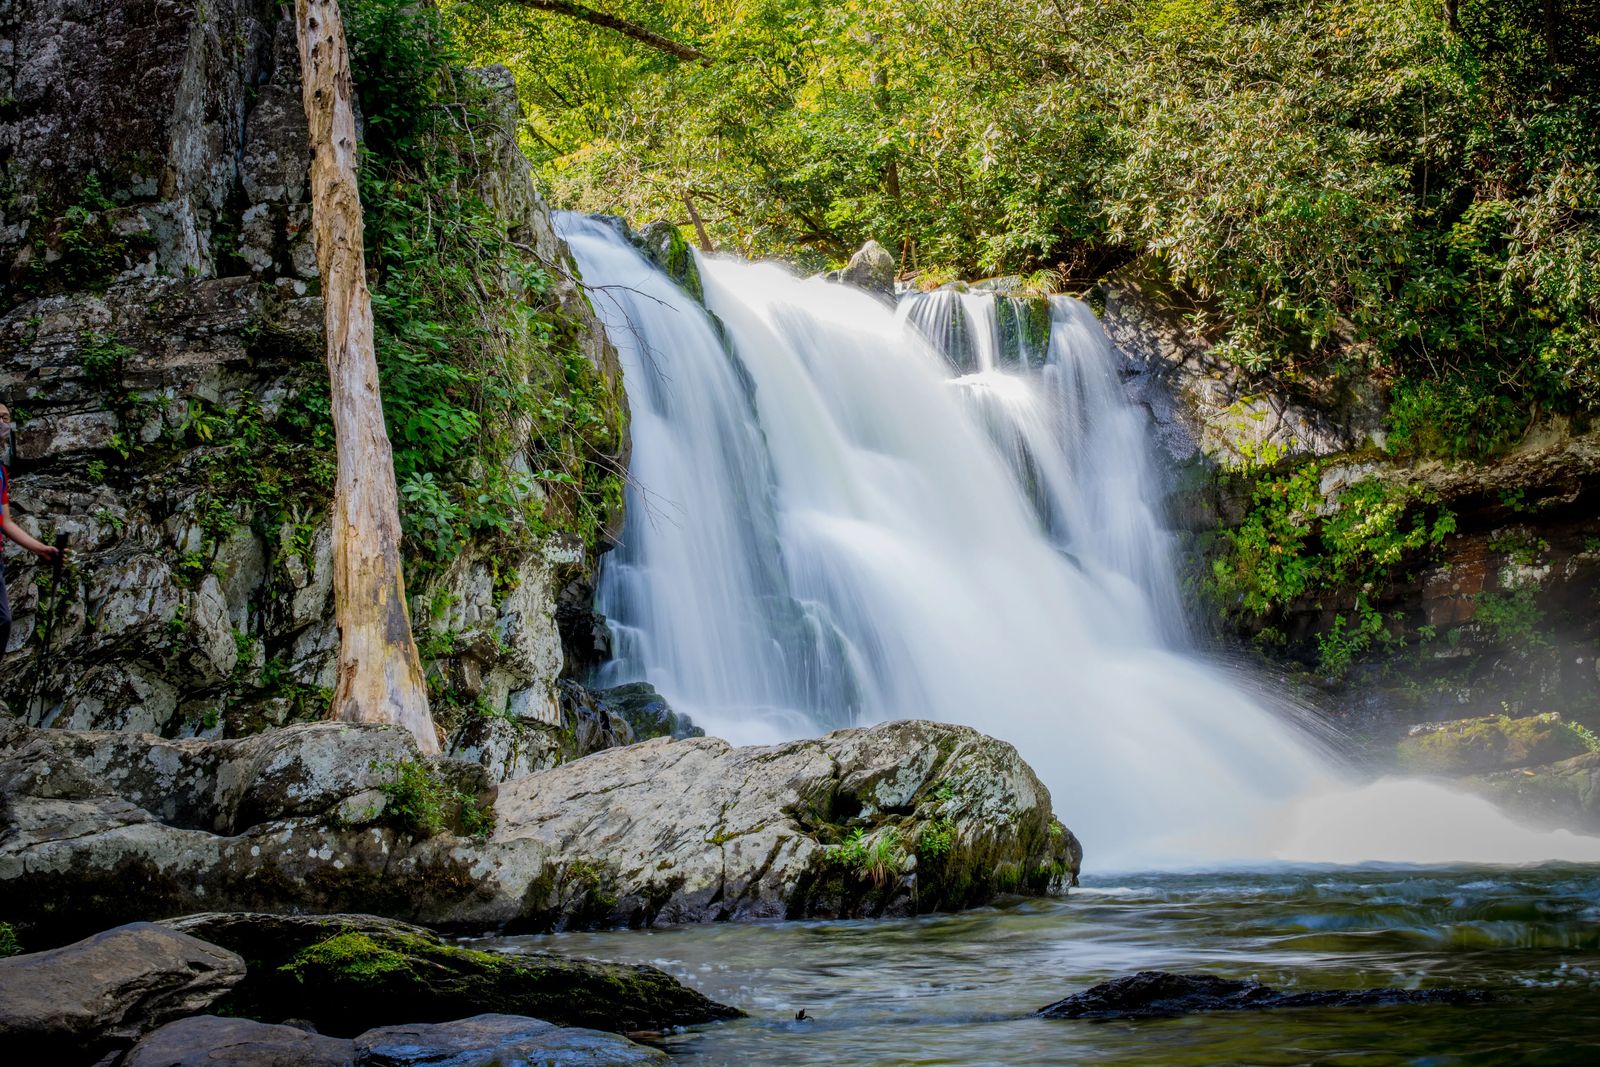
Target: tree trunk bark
[
  {"x": 380, "y": 674},
  {"x": 699, "y": 225}
]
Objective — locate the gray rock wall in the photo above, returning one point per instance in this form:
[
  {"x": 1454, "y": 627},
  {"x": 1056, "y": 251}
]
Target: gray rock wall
[{"x": 159, "y": 328}]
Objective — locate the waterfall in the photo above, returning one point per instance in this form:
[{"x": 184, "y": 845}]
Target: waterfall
[{"x": 841, "y": 513}]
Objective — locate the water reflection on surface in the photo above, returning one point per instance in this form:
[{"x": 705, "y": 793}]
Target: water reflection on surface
[{"x": 958, "y": 989}]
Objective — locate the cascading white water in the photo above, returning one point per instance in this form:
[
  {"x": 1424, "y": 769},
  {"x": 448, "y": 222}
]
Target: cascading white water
[{"x": 827, "y": 528}]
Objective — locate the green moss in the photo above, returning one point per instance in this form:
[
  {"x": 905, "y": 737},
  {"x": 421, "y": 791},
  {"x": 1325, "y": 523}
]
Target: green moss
[
  {"x": 1491, "y": 743},
  {"x": 355, "y": 980}
]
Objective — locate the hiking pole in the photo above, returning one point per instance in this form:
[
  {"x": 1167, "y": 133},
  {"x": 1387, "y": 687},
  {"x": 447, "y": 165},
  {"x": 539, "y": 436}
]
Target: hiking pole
[{"x": 56, "y": 567}]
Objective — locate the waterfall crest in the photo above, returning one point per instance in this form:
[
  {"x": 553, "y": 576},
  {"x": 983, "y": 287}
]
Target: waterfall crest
[{"x": 840, "y": 513}]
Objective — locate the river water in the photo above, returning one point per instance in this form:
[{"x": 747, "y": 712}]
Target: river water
[{"x": 959, "y": 989}]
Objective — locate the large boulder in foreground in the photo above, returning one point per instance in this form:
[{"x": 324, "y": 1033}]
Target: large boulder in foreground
[
  {"x": 347, "y": 973},
  {"x": 892, "y": 819},
  {"x": 70, "y": 1003}
]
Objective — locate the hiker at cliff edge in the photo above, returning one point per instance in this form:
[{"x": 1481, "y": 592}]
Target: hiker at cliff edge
[{"x": 10, "y": 530}]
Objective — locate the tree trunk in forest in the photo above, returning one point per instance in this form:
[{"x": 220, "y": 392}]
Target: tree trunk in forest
[
  {"x": 380, "y": 674},
  {"x": 699, "y": 225}
]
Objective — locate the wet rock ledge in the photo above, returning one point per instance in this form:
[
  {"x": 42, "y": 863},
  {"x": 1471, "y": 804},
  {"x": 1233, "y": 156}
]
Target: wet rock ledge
[{"x": 101, "y": 828}]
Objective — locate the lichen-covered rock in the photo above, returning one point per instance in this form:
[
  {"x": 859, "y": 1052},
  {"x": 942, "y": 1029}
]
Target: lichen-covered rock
[
  {"x": 1492, "y": 743},
  {"x": 872, "y": 268},
  {"x": 898, "y": 818},
  {"x": 893, "y": 819},
  {"x": 103, "y": 992},
  {"x": 662, "y": 244},
  {"x": 352, "y": 981}
]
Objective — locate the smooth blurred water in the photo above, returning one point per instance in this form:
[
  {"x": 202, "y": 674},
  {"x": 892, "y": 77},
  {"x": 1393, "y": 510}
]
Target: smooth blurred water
[
  {"x": 841, "y": 513},
  {"x": 959, "y": 989}
]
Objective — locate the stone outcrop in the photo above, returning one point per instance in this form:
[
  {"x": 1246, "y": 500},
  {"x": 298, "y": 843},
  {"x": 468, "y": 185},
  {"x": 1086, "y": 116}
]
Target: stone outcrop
[
  {"x": 479, "y": 1041},
  {"x": 1154, "y": 994},
  {"x": 1205, "y": 406},
  {"x": 1492, "y": 743},
  {"x": 70, "y": 1004},
  {"x": 898, "y": 818},
  {"x": 160, "y": 328},
  {"x": 871, "y": 268}
]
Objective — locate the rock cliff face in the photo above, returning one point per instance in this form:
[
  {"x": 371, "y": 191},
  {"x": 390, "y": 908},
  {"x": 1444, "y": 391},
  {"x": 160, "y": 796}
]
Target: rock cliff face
[
  {"x": 1498, "y": 617},
  {"x": 159, "y": 331}
]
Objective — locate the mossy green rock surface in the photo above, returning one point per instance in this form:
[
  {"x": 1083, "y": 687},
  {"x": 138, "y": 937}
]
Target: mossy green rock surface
[
  {"x": 348, "y": 973},
  {"x": 1492, "y": 743}
]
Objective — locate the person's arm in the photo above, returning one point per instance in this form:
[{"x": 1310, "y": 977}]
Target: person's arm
[{"x": 24, "y": 538}]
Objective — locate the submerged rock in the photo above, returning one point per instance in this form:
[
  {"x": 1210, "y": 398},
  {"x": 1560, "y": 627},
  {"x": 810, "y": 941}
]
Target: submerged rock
[
  {"x": 346, "y": 973},
  {"x": 108, "y": 989},
  {"x": 1490, "y": 743},
  {"x": 893, "y": 819},
  {"x": 1152, "y": 994},
  {"x": 498, "y": 1041},
  {"x": 480, "y": 1041}
]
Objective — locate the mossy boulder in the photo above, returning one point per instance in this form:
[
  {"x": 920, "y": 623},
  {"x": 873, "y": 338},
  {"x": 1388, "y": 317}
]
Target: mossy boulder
[
  {"x": 662, "y": 244},
  {"x": 1491, "y": 743},
  {"x": 348, "y": 973}
]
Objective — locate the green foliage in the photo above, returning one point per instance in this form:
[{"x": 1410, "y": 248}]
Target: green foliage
[
  {"x": 8, "y": 941},
  {"x": 1577, "y": 729},
  {"x": 1512, "y": 615},
  {"x": 420, "y": 802},
  {"x": 1293, "y": 544},
  {"x": 478, "y": 367},
  {"x": 874, "y": 858},
  {"x": 1458, "y": 417},
  {"x": 1350, "y": 186},
  {"x": 935, "y": 839}
]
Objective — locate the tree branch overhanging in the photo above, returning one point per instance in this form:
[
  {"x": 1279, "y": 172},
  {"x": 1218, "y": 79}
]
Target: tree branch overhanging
[{"x": 611, "y": 22}]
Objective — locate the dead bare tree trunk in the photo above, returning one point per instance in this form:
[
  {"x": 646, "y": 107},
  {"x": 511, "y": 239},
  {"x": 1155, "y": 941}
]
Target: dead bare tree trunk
[
  {"x": 380, "y": 674},
  {"x": 699, "y": 225}
]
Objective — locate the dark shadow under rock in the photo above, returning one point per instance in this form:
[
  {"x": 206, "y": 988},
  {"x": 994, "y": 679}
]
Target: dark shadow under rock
[{"x": 1155, "y": 994}]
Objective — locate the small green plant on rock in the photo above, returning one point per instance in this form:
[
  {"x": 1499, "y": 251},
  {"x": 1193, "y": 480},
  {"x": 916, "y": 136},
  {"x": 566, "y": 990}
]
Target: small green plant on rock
[
  {"x": 935, "y": 839},
  {"x": 874, "y": 858},
  {"x": 8, "y": 941},
  {"x": 419, "y": 802}
]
